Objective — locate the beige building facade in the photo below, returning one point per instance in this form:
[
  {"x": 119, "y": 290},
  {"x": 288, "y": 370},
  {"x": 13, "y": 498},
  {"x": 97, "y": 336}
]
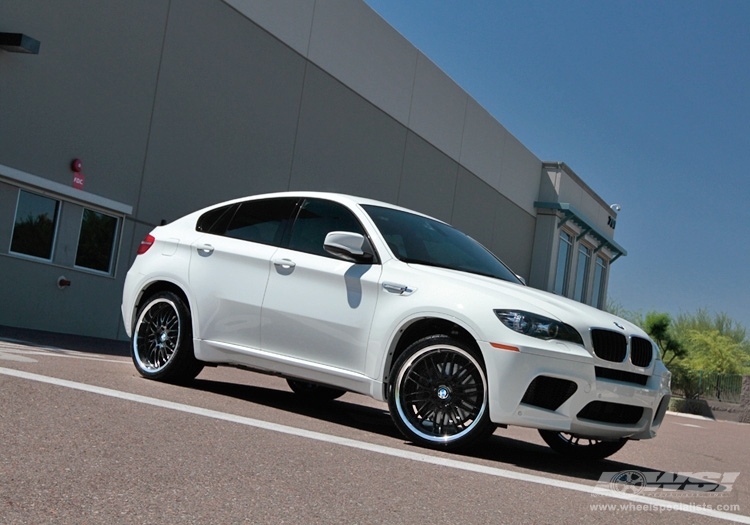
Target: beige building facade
[{"x": 127, "y": 114}]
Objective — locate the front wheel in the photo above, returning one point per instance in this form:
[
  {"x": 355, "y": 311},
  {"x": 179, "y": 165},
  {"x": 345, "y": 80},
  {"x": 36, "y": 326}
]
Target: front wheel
[
  {"x": 588, "y": 449},
  {"x": 162, "y": 346},
  {"x": 438, "y": 394}
]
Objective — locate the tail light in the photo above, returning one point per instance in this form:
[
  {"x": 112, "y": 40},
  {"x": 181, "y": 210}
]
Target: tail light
[{"x": 146, "y": 243}]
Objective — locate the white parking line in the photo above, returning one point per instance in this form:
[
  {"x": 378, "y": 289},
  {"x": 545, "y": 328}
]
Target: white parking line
[{"x": 380, "y": 449}]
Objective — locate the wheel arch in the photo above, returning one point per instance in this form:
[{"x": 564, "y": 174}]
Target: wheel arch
[
  {"x": 157, "y": 287},
  {"x": 420, "y": 327}
]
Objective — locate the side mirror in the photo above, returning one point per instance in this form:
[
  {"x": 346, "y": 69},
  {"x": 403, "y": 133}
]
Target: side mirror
[{"x": 349, "y": 246}]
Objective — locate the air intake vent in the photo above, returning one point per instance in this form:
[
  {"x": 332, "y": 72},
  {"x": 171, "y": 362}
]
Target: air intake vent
[
  {"x": 641, "y": 352},
  {"x": 619, "y": 375},
  {"x": 610, "y": 346},
  {"x": 611, "y": 413},
  {"x": 548, "y": 392}
]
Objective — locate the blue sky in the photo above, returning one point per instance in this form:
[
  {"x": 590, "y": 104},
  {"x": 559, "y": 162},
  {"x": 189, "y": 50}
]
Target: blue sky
[{"x": 647, "y": 101}]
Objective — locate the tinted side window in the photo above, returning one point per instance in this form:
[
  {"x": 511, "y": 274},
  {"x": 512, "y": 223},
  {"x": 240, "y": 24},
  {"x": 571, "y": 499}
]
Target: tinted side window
[
  {"x": 35, "y": 226},
  {"x": 216, "y": 220},
  {"x": 96, "y": 241},
  {"x": 315, "y": 220},
  {"x": 262, "y": 221}
]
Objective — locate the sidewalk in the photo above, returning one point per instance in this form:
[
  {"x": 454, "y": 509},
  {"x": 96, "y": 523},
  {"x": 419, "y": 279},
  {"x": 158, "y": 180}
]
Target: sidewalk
[{"x": 66, "y": 341}]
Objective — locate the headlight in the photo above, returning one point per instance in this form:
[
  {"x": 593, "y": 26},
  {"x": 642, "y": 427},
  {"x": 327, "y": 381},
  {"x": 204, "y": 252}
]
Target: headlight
[{"x": 538, "y": 326}]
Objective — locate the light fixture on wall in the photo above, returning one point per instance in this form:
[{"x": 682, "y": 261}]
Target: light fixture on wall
[
  {"x": 616, "y": 208},
  {"x": 19, "y": 43}
]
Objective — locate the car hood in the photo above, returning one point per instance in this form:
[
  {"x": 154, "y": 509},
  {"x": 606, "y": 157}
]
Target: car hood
[{"x": 515, "y": 296}]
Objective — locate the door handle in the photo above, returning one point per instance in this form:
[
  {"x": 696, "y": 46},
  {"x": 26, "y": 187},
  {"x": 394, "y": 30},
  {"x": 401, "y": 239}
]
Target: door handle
[
  {"x": 204, "y": 250},
  {"x": 398, "y": 289},
  {"x": 284, "y": 264}
]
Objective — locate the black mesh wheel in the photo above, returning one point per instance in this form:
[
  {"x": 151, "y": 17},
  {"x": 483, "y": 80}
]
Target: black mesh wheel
[
  {"x": 438, "y": 394},
  {"x": 162, "y": 346}
]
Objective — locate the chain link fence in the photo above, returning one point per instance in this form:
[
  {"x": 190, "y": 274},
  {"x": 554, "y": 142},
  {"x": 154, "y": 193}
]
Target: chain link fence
[{"x": 701, "y": 384}]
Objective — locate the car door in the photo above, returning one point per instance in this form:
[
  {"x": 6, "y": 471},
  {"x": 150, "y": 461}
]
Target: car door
[
  {"x": 229, "y": 268},
  {"x": 317, "y": 307}
]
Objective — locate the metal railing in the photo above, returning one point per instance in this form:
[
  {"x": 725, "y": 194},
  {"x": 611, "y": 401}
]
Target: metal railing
[{"x": 702, "y": 384}]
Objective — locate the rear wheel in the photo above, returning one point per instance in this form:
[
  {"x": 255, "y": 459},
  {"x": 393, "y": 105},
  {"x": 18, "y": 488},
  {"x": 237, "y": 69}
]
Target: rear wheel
[
  {"x": 313, "y": 391},
  {"x": 162, "y": 346},
  {"x": 438, "y": 394},
  {"x": 588, "y": 449}
]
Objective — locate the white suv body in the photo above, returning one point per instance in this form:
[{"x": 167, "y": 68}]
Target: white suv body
[{"x": 339, "y": 293}]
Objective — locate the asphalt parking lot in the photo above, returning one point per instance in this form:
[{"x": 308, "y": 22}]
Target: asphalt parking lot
[{"x": 85, "y": 439}]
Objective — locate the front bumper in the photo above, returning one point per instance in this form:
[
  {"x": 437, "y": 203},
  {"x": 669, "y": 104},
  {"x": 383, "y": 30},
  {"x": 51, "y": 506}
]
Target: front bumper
[{"x": 559, "y": 390}]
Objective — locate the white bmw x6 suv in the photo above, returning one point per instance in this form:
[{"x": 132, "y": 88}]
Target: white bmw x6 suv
[{"x": 338, "y": 293}]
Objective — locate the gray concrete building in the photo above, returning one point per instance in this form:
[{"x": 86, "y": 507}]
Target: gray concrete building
[{"x": 168, "y": 106}]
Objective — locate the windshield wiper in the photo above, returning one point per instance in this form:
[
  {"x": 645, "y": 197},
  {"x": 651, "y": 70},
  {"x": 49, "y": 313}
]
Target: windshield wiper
[{"x": 426, "y": 263}]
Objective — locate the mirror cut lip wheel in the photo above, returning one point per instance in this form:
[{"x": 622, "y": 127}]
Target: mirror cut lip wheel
[
  {"x": 158, "y": 332},
  {"x": 441, "y": 393}
]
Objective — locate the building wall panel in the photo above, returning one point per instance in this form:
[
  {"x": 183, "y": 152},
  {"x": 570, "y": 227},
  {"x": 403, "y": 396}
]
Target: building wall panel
[
  {"x": 344, "y": 143},
  {"x": 289, "y": 20},
  {"x": 438, "y": 108},
  {"x": 225, "y": 114},
  {"x": 428, "y": 180},
  {"x": 482, "y": 144},
  {"x": 87, "y": 94},
  {"x": 355, "y": 45}
]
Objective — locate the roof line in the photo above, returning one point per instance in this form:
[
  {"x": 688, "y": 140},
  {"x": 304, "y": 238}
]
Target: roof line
[{"x": 571, "y": 213}]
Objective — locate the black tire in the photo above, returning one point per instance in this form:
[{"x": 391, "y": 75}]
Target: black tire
[
  {"x": 314, "y": 392},
  {"x": 162, "y": 345},
  {"x": 586, "y": 449},
  {"x": 438, "y": 394}
]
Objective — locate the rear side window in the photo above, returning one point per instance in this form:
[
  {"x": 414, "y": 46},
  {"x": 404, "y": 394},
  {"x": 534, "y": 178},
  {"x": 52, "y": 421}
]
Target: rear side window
[
  {"x": 216, "y": 220},
  {"x": 315, "y": 220},
  {"x": 261, "y": 221}
]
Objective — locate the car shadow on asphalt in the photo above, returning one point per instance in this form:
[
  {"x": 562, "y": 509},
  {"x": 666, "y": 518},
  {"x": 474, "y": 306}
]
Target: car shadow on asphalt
[
  {"x": 533, "y": 456},
  {"x": 498, "y": 449},
  {"x": 340, "y": 412}
]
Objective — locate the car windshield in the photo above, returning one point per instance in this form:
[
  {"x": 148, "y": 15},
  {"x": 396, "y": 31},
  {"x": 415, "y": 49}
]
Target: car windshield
[{"x": 416, "y": 239}]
